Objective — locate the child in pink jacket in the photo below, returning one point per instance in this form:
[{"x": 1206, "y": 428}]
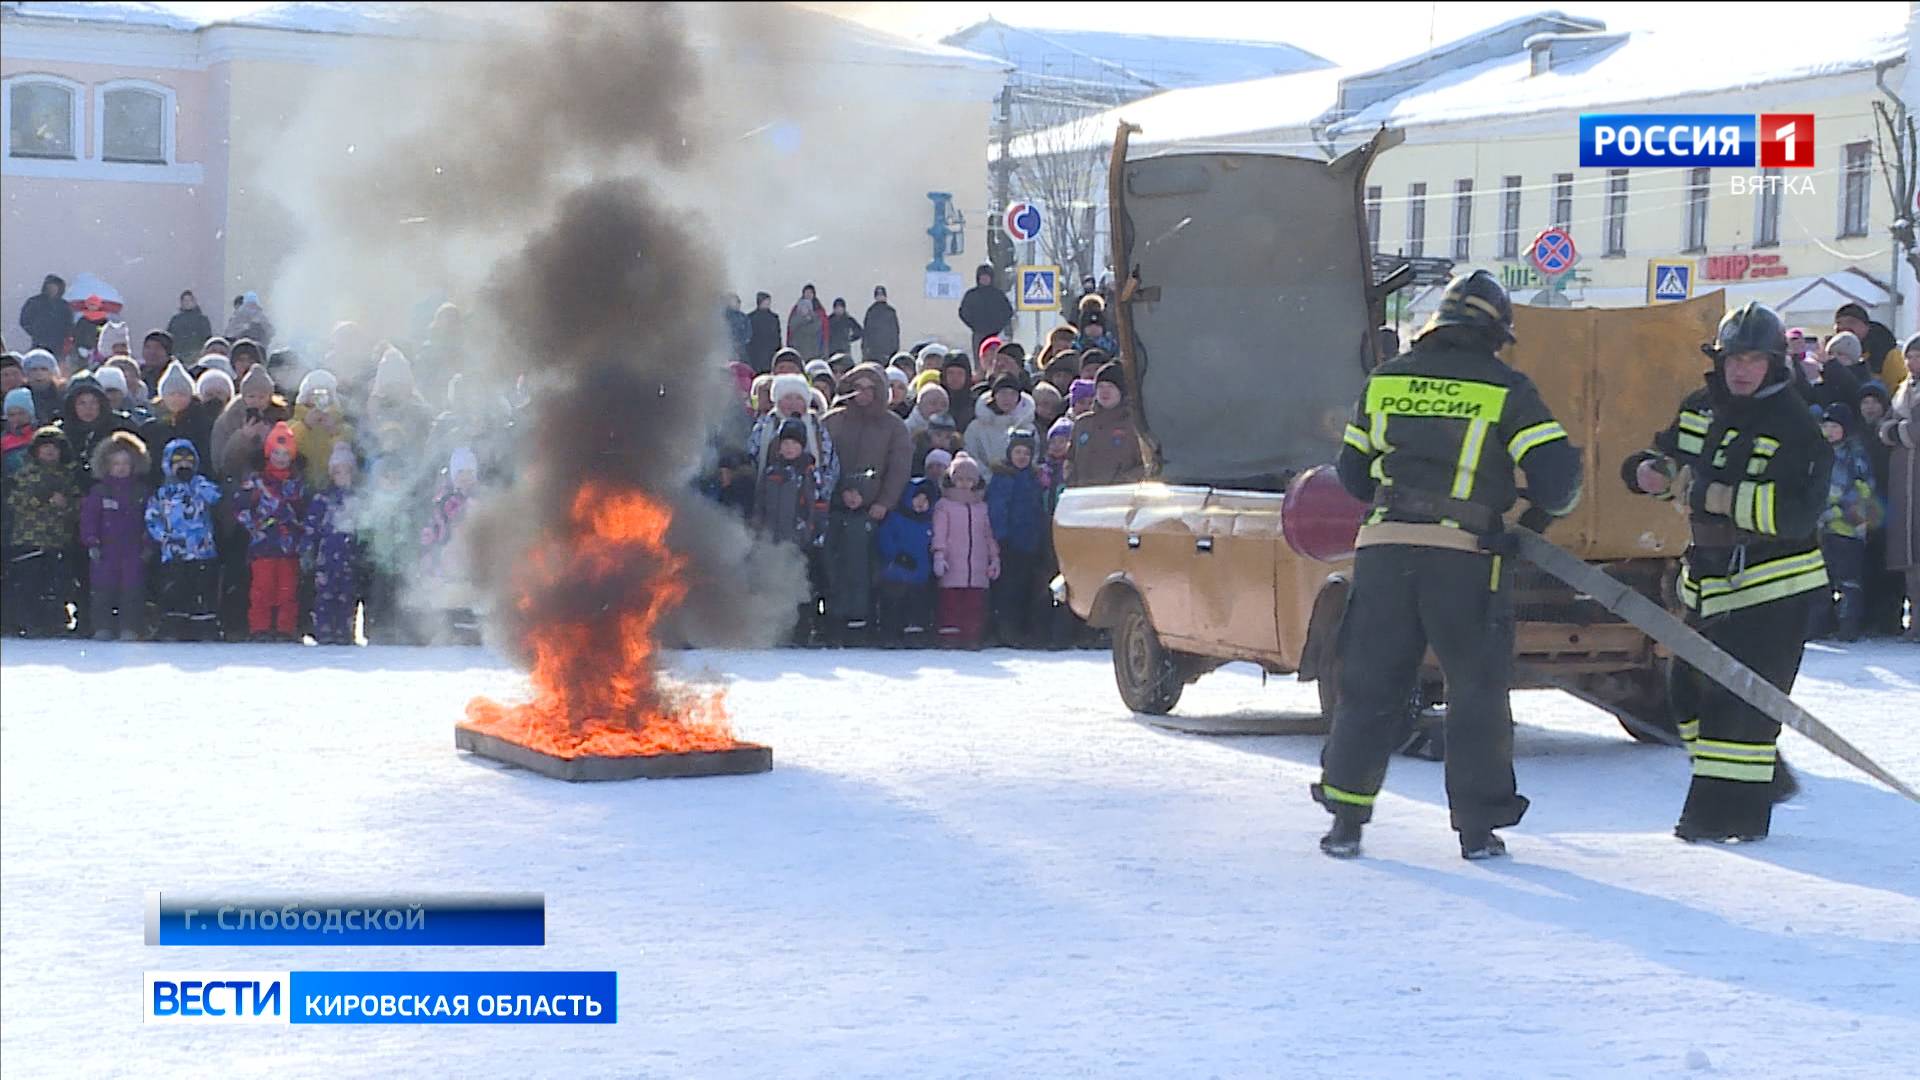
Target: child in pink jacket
[{"x": 965, "y": 557}]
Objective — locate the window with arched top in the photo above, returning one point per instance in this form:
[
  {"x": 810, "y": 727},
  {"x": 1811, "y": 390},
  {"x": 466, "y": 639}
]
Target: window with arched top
[
  {"x": 136, "y": 123},
  {"x": 43, "y": 118}
]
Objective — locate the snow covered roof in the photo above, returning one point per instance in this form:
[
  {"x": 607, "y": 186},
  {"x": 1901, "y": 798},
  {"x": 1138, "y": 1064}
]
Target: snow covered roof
[
  {"x": 1145, "y": 62},
  {"x": 1644, "y": 66},
  {"x": 1200, "y": 114},
  {"x": 153, "y": 16}
]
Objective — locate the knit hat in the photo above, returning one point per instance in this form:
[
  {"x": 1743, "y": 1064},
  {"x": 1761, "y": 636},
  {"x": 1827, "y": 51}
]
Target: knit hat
[
  {"x": 791, "y": 385},
  {"x": 318, "y": 379},
  {"x": 342, "y": 455},
  {"x": 988, "y": 347},
  {"x": 793, "y": 428},
  {"x": 160, "y": 336},
  {"x": 393, "y": 376},
  {"x": 1874, "y": 388},
  {"x": 788, "y": 353},
  {"x": 1061, "y": 429},
  {"x": 258, "y": 381},
  {"x": 933, "y": 349},
  {"x": 462, "y": 460},
  {"x": 1005, "y": 381},
  {"x": 1080, "y": 392},
  {"x": 115, "y": 335},
  {"x": 1796, "y": 333},
  {"x": 1912, "y": 343},
  {"x": 215, "y": 384},
  {"x": 955, "y": 360},
  {"x": 177, "y": 381},
  {"x": 1850, "y": 311},
  {"x": 22, "y": 398},
  {"x": 213, "y": 361},
  {"x": 941, "y": 422},
  {"x": 1094, "y": 356},
  {"x": 896, "y": 376},
  {"x": 39, "y": 360},
  {"x": 279, "y": 437},
  {"x": 1838, "y": 413},
  {"x": 1015, "y": 350},
  {"x": 923, "y": 380},
  {"x": 817, "y": 368},
  {"x": 938, "y": 457},
  {"x": 1022, "y": 436},
  {"x": 251, "y": 347},
  {"x": 1068, "y": 362},
  {"x": 1115, "y": 374},
  {"x": 218, "y": 346},
  {"x": 742, "y": 377},
  {"x": 964, "y": 468},
  {"x": 1844, "y": 345},
  {"x": 933, "y": 392},
  {"x": 9, "y": 360},
  {"x": 110, "y": 379},
  {"x": 1046, "y": 391}
]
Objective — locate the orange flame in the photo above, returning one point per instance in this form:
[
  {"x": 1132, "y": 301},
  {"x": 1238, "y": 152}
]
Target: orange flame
[{"x": 596, "y": 687}]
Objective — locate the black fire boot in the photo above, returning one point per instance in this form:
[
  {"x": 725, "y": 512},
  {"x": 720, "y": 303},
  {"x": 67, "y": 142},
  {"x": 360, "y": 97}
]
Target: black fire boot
[
  {"x": 1343, "y": 840},
  {"x": 1479, "y": 844}
]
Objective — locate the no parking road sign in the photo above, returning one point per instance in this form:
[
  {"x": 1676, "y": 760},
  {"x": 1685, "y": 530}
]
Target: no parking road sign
[
  {"x": 1039, "y": 288},
  {"x": 1553, "y": 252}
]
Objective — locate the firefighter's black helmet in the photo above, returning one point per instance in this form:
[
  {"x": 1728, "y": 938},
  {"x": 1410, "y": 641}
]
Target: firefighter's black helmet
[
  {"x": 1475, "y": 300},
  {"x": 1751, "y": 327}
]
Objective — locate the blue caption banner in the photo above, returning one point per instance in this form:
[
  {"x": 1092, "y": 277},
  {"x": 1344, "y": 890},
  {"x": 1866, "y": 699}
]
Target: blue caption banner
[
  {"x": 378, "y": 920},
  {"x": 381, "y": 997},
  {"x": 1668, "y": 140},
  {"x": 453, "y": 997}
]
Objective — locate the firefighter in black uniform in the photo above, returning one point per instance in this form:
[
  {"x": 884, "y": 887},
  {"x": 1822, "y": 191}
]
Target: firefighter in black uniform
[
  {"x": 1752, "y": 466},
  {"x": 1433, "y": 446}
]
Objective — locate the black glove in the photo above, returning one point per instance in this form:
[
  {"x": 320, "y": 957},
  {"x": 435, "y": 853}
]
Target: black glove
[{"x": 1536, "y": 519}]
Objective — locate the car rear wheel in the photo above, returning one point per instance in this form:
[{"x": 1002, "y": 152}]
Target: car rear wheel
[{"x": 1147, "y": 672}]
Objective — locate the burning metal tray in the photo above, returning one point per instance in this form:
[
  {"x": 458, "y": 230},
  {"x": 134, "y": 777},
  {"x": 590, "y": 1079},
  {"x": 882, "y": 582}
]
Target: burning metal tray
[{"x": 741, "y": 759}]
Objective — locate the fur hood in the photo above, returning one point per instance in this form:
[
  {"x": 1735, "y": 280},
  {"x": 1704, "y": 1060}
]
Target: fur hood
[
  {"x": 113, "y": 444},
  {"x": 1022, "y": 414}
]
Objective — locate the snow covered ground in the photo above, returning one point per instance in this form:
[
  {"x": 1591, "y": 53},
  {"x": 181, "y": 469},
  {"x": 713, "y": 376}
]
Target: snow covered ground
[{"x": 961, "y": 865}]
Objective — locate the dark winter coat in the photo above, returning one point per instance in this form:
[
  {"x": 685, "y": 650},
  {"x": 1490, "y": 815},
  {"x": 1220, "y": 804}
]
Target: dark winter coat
[
  {"x": 788, "y": 505},
  {"x": 807, "y": 329},
  {"x": 883, "y": 333},
  {"x": 190, "y": 331},
  {"x": 763, "y": 340},
  {"x": 113, "y": 514},
  {"x": 1017, "y": 506},
  {"x": 985, "y": 309},
  {"x": 34, "y": 517},
  {"x": 842, "y": 332},
  {"x": 904, "y": 541},
  {"x": 84, "y": 438},
  {"x": 871, "y": 442},
  {"x": 739, "y": 332},
  {"x": 1106, "y": 448},
  {"x": 272, "y": 509},
  {"x": 47, "y": 322},
  {"x": 180, "y": 514},
  {"x": 194, "y": 424}
]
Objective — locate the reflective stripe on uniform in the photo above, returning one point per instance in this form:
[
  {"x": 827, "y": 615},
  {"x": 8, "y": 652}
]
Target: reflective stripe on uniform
[
  {"x": 1377, "y": 422},
  {"x": 1749, "y": 773},
  {"x": 1469, "y": 461},
  {"x": 1757, "y": 584},
  {"x": 1696, "y": 422},
  {"x": 1528, "y": 438},
  {"x": 1689, "y": 731},
  {"x": 1736, "y": 751},
  {"x": 1688, "y": 443},
  {"x": 1763, "y": 450},
  {"x": 1357, "y": 439},
  {"x": 1347, "y": 797}
]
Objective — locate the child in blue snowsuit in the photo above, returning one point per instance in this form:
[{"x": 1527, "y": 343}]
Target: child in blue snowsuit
[
  {"x": 180, "y": 521},
  {"x": 904, "y": 543},
  {"x": 1852, "y": 511},
  {"x": 1016, "y": 504},
  {"x": 334, "y": 550}
]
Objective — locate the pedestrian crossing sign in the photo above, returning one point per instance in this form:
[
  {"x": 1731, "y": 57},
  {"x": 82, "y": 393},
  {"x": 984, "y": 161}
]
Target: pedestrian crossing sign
[
  {"x": 1039, "y": 288},
  {"x": 1669, "y": 280}
]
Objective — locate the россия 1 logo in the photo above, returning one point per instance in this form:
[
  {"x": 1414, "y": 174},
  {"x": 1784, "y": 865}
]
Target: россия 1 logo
[{"x": 1694, "y": 140}]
